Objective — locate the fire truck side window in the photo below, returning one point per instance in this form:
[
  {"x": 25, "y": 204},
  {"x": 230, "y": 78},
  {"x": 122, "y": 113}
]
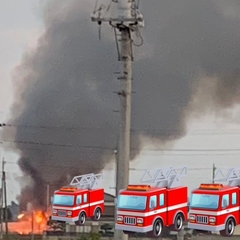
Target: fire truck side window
[
  {"x": 234, "y": 198},
  {"x": 79, "y": 200},
  {"x": 153, "y": 202},
  {"x": 161, "y": 199},
  {"x": 225, "y": 201},
  {"x": 85, "y": 197}
]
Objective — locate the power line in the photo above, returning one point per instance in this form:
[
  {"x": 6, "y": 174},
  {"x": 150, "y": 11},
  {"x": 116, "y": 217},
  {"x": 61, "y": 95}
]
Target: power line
[
  {"x": 195, "y": 150},
  {"x": 157, "y": 154},
  {"x": 154, "y": 131},
  {"x": 57, "y": 145},
  {"x": 112, "y": 149},
  {"x": 191, "y": 155}
]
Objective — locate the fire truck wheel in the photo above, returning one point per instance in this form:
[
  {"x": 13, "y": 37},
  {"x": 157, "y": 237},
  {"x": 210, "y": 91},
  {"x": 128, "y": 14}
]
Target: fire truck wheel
[
  {"x": 157, "y": 229},
  {"x": 178, "y": 222},
  {"x": 229, "y": 228},
  {"x": 97, "y": 214},
  {"x": 128, "y": 233},
  {"x": 81, "y": 220}
]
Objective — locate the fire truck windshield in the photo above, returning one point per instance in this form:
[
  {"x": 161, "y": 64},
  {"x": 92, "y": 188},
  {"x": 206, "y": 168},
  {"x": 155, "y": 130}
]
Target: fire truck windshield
[
  {"x": 63, "y": 200},
  {"x": 132, "y": 202},
  {"x": 204, "y": 201}
]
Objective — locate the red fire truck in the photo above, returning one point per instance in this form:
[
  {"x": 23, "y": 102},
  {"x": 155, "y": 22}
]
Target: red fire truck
[
  {"x": 215, "y": 207},
  {"x": 147, "y": 209},
  {"x": 82, "y": 199}
]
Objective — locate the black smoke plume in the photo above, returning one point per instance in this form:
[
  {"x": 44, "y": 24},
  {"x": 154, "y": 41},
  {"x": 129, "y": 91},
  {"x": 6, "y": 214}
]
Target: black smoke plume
[{"x": 64, "y": 101}]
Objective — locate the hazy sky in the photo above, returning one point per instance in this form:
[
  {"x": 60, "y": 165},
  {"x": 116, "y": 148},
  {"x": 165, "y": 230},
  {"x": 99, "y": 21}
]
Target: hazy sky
[{"x": 20, "y": 26}]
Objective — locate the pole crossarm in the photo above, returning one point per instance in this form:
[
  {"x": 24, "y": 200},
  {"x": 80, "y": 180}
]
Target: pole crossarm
[
  {"x": 117, "y": 20},
  {"x": 128, "y": 13}
]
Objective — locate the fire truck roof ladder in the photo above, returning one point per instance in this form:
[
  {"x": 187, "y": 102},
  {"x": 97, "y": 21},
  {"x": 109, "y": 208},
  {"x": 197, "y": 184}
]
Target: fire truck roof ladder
[
  {"x": 164, "y": 177},
  {"x": 230, "y": 175},
  {"x": 87, "y": 181}
]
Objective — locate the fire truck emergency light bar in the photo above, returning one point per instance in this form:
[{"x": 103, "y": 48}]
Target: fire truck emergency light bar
[
  {"x": 68, "y": 189},
  {"x": 211, "y": 186},
  {"x": 139, "y": 187}
]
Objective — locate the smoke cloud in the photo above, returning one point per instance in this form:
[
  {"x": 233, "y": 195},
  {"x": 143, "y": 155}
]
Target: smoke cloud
[{"x": 65, "y": 87}]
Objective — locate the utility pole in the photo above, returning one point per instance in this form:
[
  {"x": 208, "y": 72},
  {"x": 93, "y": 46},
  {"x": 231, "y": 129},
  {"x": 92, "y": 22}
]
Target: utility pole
[
  {"x": 47, "y": 205},
  {"x": 127, "y": 21},
  {"x": 1, "y": 212},
  {"x": 5, "y": 203},
  {"x": 116, "y": 179},
  {"x": 5, "y": 196},
  {"x": 1, "y": 202},
  {"x": 213, "y": 172},
  {"x": 32, "y": 225}
]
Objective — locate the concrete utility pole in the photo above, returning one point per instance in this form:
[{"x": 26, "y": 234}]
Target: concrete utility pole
[
  {"x": 32, "y": 225},
  {"x": 47, "y": 203},
  {"x": 5, "y": 201},
  {"x": 4, "y": 198},
  {"x": 128, "y": 20},
  {"x": 213, "y": 172},
  {"x": 1, "y": 213}
]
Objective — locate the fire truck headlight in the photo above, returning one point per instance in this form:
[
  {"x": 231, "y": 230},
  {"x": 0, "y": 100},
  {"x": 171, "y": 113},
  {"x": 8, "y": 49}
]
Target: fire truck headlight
[
  {"x": 192, "y": 217},
  {"x": 119, "y": 218},
  {"x": 212, "y": 219},
  {"x": 69, "y": 213},
  {"x": 140, "y": 220},
  {"x": 54, "y": 211}
]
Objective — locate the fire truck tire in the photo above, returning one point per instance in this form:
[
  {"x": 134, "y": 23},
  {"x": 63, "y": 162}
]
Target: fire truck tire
[
  {"x": 229, "y": 228},
  {"x": 81, "y": 220},
  {"x": 97, "y": 214},
  {"x": 178, "y": 222},
  {"x": 128, "y": 233},
  {"x": 157, "y": 229}
]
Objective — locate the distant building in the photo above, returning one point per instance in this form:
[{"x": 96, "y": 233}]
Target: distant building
[
  {"x": 109, "y": 206},
  {"x": 14, "y": 209}
]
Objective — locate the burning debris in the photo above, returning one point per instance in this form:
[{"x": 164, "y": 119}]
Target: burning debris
[{"x": 30, "y": 222}]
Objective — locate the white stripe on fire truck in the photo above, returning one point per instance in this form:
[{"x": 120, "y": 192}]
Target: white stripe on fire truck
[
  {"x": 177, "y": 206},
  {"x": 146, "y": 214},
  {"x": 214, "y": 213},
  {"x": 96, "y": 203},
  {"x": 79, "y": 207}
]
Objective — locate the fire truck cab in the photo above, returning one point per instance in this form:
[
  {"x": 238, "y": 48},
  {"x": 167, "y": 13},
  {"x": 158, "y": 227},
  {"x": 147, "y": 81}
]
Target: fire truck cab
[
  {"x": 147, "y": 209},
  {"x": 215, "y": 207},
  {"x": 80, "y": 200}
]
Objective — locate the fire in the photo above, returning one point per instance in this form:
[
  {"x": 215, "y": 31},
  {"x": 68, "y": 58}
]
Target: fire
[
  {"x": 20, "y": 216},
  {"x": 29, "y": 222}
]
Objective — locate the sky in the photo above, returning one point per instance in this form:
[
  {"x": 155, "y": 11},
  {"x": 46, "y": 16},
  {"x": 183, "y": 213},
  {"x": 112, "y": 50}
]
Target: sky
[{"x": 21, "y": 25}]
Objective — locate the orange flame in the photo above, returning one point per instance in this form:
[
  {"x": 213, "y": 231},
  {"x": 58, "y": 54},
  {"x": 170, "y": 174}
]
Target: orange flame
[
  {"x": 20, "y": 216},
  {"x": 29, "y": 222}
]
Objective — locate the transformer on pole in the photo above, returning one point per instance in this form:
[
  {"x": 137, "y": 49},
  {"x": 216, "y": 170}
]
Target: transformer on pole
[{"x": 126, "y": 21}]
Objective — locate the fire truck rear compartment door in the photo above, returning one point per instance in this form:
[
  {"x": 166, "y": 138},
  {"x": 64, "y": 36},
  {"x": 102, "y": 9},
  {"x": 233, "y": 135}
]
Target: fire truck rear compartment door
[{"x": 177, "y": 200}]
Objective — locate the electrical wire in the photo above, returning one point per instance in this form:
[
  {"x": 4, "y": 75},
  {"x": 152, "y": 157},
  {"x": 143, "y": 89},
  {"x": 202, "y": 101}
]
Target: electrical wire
[
  {"x": 108, "y": 8},
  {"x": 57, "y": 145},
  {"x": 138, "y": 34},
  {"x": 154, "y": 131},
  {"x": 95, "y": 7},
  {"x": 163, "y": 151}
]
